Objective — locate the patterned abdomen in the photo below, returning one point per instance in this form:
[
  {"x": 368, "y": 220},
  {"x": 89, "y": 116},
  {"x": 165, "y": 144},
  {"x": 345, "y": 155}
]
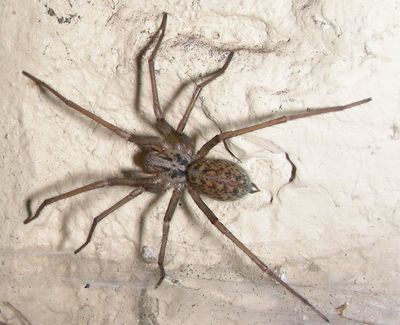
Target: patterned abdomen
[{"x": 219, "y": 179}]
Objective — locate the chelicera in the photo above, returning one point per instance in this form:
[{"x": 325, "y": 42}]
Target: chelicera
[{"x": 172, "y": 163}]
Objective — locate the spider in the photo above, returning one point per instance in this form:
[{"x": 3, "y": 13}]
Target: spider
[{"x": 172, "y": 163}]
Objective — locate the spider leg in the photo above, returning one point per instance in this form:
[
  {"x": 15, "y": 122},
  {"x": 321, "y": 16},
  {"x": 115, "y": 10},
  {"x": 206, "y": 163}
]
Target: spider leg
[
  {"x": 146, "y": 141},
  {"x": 177, "y": 194},
  {"x": 156, "y": 101},
  {"x": 197, "y": 91},
  {"x": 105, "y": 213},
  {"x": 120, "y": 132},
  {"x": 162, "y": 124},
  {"x": 108, "y": 182},
  {"x": 214, "y": 220},
  {"x": 283, "y": 119}
]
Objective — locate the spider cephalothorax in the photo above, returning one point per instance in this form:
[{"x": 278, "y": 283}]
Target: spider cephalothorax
[{"x": 170, "y": 162}]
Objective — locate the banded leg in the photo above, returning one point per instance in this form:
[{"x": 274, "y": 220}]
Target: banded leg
[
  {"x": 108, "y": 182},
  {"x": 214, "y": 220},
  {"x": 105, "y": 213},
  {"x": 167, "y": 219},
  {"x": 197, "y": 91},
  {"x": 283, "y": 119}
]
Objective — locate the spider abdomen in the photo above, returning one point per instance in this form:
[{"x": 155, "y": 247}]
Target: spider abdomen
[{"x": 219, "y": 179}]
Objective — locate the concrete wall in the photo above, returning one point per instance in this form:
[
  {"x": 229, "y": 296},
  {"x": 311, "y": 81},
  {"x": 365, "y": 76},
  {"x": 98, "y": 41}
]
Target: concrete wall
[{"x": 333, "y": 233}]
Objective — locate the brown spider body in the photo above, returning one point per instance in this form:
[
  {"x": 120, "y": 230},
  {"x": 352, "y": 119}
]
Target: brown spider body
[
  {"x": 218, "y": 179},
  {"x": 170, "y": 162}
]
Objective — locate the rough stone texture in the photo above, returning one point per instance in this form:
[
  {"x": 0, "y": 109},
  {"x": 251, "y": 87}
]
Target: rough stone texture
[{"x": 333, "y": 233}]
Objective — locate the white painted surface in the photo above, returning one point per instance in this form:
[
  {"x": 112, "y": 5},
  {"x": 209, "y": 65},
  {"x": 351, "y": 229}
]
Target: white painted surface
[{"x": 333, "y": 232}]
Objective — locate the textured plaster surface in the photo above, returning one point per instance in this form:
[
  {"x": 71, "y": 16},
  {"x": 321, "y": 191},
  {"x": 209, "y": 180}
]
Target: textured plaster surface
[{"x": 333, "y": 233}]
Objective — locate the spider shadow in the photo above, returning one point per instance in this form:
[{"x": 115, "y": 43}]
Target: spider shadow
[{"x": 17, "y": 313}]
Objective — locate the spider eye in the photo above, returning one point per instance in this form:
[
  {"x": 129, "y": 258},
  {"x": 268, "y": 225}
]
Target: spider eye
[{"x": 254, "y": 188}]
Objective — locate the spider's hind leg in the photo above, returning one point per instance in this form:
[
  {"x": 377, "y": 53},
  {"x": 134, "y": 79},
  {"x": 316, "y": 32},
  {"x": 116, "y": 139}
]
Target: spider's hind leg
[
  {"x": 135, "y": 182},
  {"x": 141, "y": 184},
  {"x": 136, "y": 192},
  {"x": 167, "y": 219},
  {"x": 215, "y": 222}
]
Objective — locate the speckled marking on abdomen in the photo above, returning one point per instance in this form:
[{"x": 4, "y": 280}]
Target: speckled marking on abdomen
[{"x": 219, "y": 179}]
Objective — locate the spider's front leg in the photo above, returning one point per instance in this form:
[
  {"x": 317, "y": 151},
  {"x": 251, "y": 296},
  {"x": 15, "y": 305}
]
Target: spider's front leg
[
  {"x": 120, "y": 132},
  {"x": 144, "y": 141}
]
